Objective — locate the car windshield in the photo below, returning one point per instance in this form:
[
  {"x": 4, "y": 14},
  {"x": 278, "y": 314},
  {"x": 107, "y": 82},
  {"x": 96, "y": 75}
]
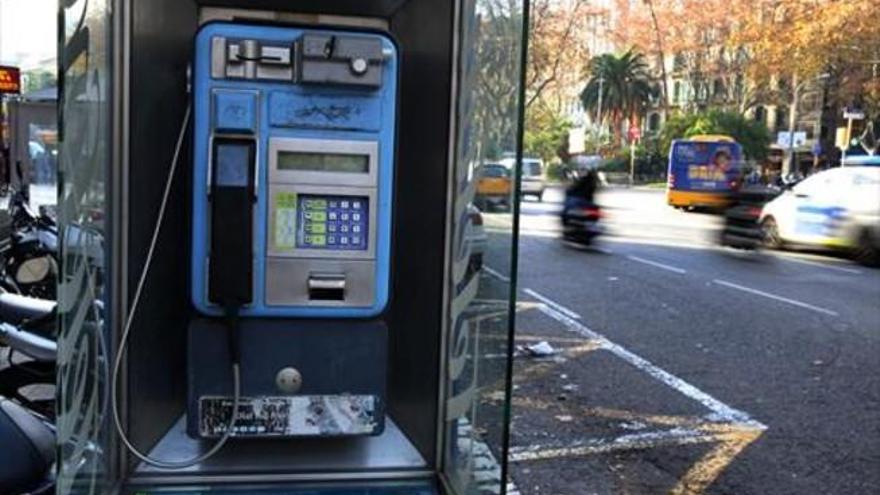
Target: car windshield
[
  {"x": 495, "y": 171},
  {"x": 531, "y": 168}
]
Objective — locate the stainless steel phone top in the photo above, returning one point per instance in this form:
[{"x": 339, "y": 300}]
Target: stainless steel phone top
[{"x": 279, "y": 146}]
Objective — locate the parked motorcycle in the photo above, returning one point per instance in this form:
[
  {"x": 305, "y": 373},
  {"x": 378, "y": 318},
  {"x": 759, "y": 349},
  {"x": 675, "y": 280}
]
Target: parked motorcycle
[
  {"x": 27, "y": 328},
  {"x": 27, "y": 433},
  {"x": 28, "y": 249},
  {"x": 28, "y": 267},
  {"x": 28, "y": 453}
]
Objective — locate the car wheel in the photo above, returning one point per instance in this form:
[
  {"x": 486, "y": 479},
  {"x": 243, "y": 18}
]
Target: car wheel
[
  {"x": 770, "y": 231},
  {"x": 866, "y": 252}
]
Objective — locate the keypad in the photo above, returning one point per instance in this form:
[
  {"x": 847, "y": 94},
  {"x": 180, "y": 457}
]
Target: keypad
[{"x": 332, "y": 222}]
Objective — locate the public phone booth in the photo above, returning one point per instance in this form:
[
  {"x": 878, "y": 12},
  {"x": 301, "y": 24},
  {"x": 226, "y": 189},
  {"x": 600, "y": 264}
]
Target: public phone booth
[{"x": 280, "y": 282}]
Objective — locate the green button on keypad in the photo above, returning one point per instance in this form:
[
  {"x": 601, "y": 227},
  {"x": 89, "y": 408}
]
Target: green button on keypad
[
  {"x": 317, "y": 228},
  {"x": 319, "y": 240},
  {"x": 319, "y": 216}
]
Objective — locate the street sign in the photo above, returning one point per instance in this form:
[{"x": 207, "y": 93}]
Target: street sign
[
  {"x": 10, "y": 80},
  {"x": 783, "y": 139},
  {"x": 853, "y": 114}
]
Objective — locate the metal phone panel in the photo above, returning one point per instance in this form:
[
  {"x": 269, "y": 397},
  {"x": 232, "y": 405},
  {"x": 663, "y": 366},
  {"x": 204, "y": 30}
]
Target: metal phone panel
[{"x": 287, "y": 282}]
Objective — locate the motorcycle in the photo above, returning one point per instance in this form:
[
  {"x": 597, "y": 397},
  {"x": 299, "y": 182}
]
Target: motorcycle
[
  {"x": 28, "y": 453},
  {"x": 27, "y": 328},
  {"x": 742, "y": 228},
  {"x": 581, "y": 221},
  {"x": 28, "y": 249},
  {"x": 27, "y": 432}
]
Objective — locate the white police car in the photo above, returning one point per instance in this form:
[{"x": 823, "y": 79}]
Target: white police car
[{"x": 837, "y": 208}]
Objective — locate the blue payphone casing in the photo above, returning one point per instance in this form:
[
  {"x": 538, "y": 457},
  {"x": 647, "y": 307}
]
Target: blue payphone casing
[
  {"x": 293, "y": 170},
  {"x": 323, "y": 140}
]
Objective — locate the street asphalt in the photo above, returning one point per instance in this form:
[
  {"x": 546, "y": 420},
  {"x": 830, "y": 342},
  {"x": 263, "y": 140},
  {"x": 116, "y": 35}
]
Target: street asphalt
[{"x": 684, "y": 367}]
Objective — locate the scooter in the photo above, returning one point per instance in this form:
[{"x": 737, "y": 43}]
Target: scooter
[
  {"x": 28, "y": 249},
  {"x": 27, "y": 327},
  {"x": 742, "y": 229},
  {"x": 581, "y": 221},
  {"x": 26, "y": 429},
  {"x": 28, "y": 454}
]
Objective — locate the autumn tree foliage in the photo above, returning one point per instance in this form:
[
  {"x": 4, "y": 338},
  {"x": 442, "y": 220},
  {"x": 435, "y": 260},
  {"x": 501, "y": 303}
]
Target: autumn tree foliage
[
  {"x": 559, "y": 56},
  {"x": 559, "y": 53},
  {"x": 805, "y": 39},
  {"x": 698, "y": 36},
  {"x": 741, "y": 49}
]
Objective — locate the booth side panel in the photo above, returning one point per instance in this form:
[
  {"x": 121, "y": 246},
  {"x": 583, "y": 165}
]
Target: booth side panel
[
  {"x": 161, "y": 41},
  {"x": 423, "y": 29}
]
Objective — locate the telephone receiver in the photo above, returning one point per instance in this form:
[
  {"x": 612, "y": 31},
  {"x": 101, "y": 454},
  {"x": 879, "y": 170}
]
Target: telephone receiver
[{"x": 232, "y": 198}]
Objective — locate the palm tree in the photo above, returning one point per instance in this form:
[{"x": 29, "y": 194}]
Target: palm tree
[{"x": 626, "y": 88}]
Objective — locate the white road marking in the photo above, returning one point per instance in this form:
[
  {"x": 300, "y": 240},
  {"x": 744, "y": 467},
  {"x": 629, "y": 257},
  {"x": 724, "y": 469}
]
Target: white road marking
[
  {"x": 523, "y": 232},
  {"x": 768, "y": 295},
  {"x": 496, "y": 274},
  {"x": 658, "y": 265},
  {"x": 719, "y": 410},
  {"x": 843, "y": 269},
  {"x": 553, "y": 304}
]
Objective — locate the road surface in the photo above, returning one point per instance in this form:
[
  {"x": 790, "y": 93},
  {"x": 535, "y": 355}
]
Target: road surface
[{"x": 684, "y": 367}]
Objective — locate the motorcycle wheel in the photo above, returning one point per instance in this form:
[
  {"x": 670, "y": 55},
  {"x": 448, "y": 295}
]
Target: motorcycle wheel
[{"x": 770, "y": 229}]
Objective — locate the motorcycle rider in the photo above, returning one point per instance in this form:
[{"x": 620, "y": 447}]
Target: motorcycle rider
[
  {"x": 580, "y": 213},
  {"x": 583, "y": 190}
]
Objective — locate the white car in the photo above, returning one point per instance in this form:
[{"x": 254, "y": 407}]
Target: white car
[
  {"x": 837, "y": 208},
  {"x": 533, "y": 180}
]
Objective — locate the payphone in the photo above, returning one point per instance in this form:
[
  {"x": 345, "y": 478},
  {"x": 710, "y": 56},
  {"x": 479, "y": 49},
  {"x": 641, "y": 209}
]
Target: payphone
[
  {"x": 294, "y": 142},
  {"x": 294, "y": 163}
]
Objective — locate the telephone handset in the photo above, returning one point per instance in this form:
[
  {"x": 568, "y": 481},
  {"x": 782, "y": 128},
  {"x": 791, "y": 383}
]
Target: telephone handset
[{"x": 232, "y": 198}]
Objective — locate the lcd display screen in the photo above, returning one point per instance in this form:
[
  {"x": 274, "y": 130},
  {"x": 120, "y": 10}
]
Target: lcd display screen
[{"x": 323, "y": 162}]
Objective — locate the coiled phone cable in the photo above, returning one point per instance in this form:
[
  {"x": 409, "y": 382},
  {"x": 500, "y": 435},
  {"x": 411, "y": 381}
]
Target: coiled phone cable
[{"x": 123, "y": 342}]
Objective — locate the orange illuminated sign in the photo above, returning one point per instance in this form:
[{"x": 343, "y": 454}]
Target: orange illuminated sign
[{"x": 10, "y": 80}]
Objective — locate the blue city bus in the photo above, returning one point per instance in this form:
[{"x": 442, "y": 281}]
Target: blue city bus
[{"x": 703, "y": 170}]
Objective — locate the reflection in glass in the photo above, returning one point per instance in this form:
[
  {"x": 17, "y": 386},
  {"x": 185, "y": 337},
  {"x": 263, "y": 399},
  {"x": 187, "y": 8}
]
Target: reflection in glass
[
  {"x": 84, "y": 161},
  {"x": 482, "y": 244}
]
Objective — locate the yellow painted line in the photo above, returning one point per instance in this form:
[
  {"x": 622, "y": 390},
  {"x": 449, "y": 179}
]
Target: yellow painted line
[
  {"x": 702, "y": 474},
  {"x": 545, "y": 366},
  {"x": 597, "y": 446},
  {"x": 693, "y": 422}
]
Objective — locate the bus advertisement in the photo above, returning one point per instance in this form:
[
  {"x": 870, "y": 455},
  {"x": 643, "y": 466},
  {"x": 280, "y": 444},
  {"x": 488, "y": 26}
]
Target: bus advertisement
[{"x": 702, "y": 171}]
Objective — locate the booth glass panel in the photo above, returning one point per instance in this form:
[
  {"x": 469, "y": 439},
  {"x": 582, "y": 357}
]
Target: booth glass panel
[
  {"x": 483, "y": 246},
  {"x": 84, "y": 161}
]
